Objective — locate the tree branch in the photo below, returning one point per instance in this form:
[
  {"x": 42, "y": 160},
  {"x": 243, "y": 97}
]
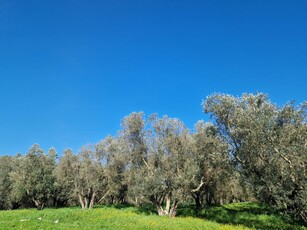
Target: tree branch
[
  {"x": 199, "y": 186},
  {"x": 283, "y": 157},
  {"x": 104, "y": 196},
  {"x": 147, "y": 167}
]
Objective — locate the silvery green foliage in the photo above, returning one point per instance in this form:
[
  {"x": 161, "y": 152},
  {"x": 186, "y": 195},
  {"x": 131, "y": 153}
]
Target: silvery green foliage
[
  {"x": 134, "y": 147},
  {"x": 115, "y": 169},
  {"x": 269, "y": 145},
  {"x": 65, "y": 174},
  {"x": 33, "y": 177},
  {"x": 6, "y": 167},
  {"x": 213, "y": 169},
  {"x": 82, "y": 175},
  {"x": 168, "y": 168},
  {"x": 161, "y": 162}
]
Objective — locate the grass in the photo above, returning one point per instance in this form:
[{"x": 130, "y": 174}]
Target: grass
[
  {"x": 251, "y": 215},
  {"x": 233, "y": 216}
]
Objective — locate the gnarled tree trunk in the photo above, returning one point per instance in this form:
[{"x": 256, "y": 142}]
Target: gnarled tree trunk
[
  {"x": 38, "y": 204},
  {"x": 87, "y": 200},
  {"x": 170, "y": 208}
]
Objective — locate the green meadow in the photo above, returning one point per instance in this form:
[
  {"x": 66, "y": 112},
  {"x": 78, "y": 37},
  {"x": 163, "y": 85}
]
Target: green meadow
[{"x": 231, "y": 216}]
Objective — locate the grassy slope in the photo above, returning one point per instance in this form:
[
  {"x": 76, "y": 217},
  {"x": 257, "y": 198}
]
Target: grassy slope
[{"x": 235, "y": 216}]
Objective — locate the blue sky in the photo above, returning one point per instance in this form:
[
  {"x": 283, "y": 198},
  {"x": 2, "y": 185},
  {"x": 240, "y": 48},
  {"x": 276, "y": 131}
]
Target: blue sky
[{"x": 71, "y": 69}]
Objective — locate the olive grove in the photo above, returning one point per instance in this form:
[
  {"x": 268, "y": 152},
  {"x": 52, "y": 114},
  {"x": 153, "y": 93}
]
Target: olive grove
[{"x": 250, "y": 149}]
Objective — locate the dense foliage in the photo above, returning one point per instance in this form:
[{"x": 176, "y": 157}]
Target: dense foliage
[
  {"x": 252, "y": 149},
  {"x": 268, "y": 145}
]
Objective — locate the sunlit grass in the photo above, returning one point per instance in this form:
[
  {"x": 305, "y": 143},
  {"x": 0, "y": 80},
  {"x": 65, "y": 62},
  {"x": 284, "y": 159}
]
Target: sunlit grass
[{"x": 234, "y": 216}]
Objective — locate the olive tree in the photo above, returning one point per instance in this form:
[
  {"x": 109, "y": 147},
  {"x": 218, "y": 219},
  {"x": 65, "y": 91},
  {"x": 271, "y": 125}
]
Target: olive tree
[
  {"x": 115, "y": 170},
  {"x": 134, "y": 147},
  {"x": 6, "y": 167},
  {"x": 268, "y": 143},
  {"x": 33, "y": 176},
  {"x": 168, "y": 169},
  {"x": 213, "y": 168},
  {"x": 65, "y": 174},
  {"x": 82, "y": 175}
]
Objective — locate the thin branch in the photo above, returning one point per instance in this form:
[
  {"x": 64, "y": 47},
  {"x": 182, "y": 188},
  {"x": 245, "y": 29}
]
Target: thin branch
[
  {"x": 199, "y": 186},
  {"x": 148, "y": 167},
  {"x": 104, "y": 196},
  {"x": 279, "y": 153},
  {"x": 283, "y": 157}
]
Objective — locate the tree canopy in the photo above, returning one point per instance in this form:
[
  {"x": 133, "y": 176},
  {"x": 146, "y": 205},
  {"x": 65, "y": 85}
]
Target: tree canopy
[{"x": 251, "y": 149}]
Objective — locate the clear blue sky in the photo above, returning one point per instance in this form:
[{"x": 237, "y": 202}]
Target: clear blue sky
[{"x": 71, "y": 69}]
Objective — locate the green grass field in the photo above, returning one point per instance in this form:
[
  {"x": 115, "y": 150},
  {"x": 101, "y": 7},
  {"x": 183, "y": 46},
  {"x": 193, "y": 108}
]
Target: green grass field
[{"x": 232, "y": 216}]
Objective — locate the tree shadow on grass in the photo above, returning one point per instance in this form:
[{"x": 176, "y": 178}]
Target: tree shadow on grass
[
  {"x": 248, "y": 214},
  {"x": 146, "y": 209},
  {"x": 116, "y": 206}
]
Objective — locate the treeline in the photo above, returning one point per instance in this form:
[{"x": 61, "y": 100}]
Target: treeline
[{"x": 253, "y": 149}]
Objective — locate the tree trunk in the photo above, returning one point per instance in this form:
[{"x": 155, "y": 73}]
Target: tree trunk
[
  {"x": 160, "y": 210},
  {"x": 173, "y": 210},
  {"x": 136, "y": 200},
  {"x": 39, "y": 205},
  {"x": 168, "y": 202},
  {"x": 81, "y": 201},
  {"x": 86, "y": 203},
  {"x": 208, "y": 198},
  {"x": 198, "y": 203},
  {"x": 92, "y": 201}
]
